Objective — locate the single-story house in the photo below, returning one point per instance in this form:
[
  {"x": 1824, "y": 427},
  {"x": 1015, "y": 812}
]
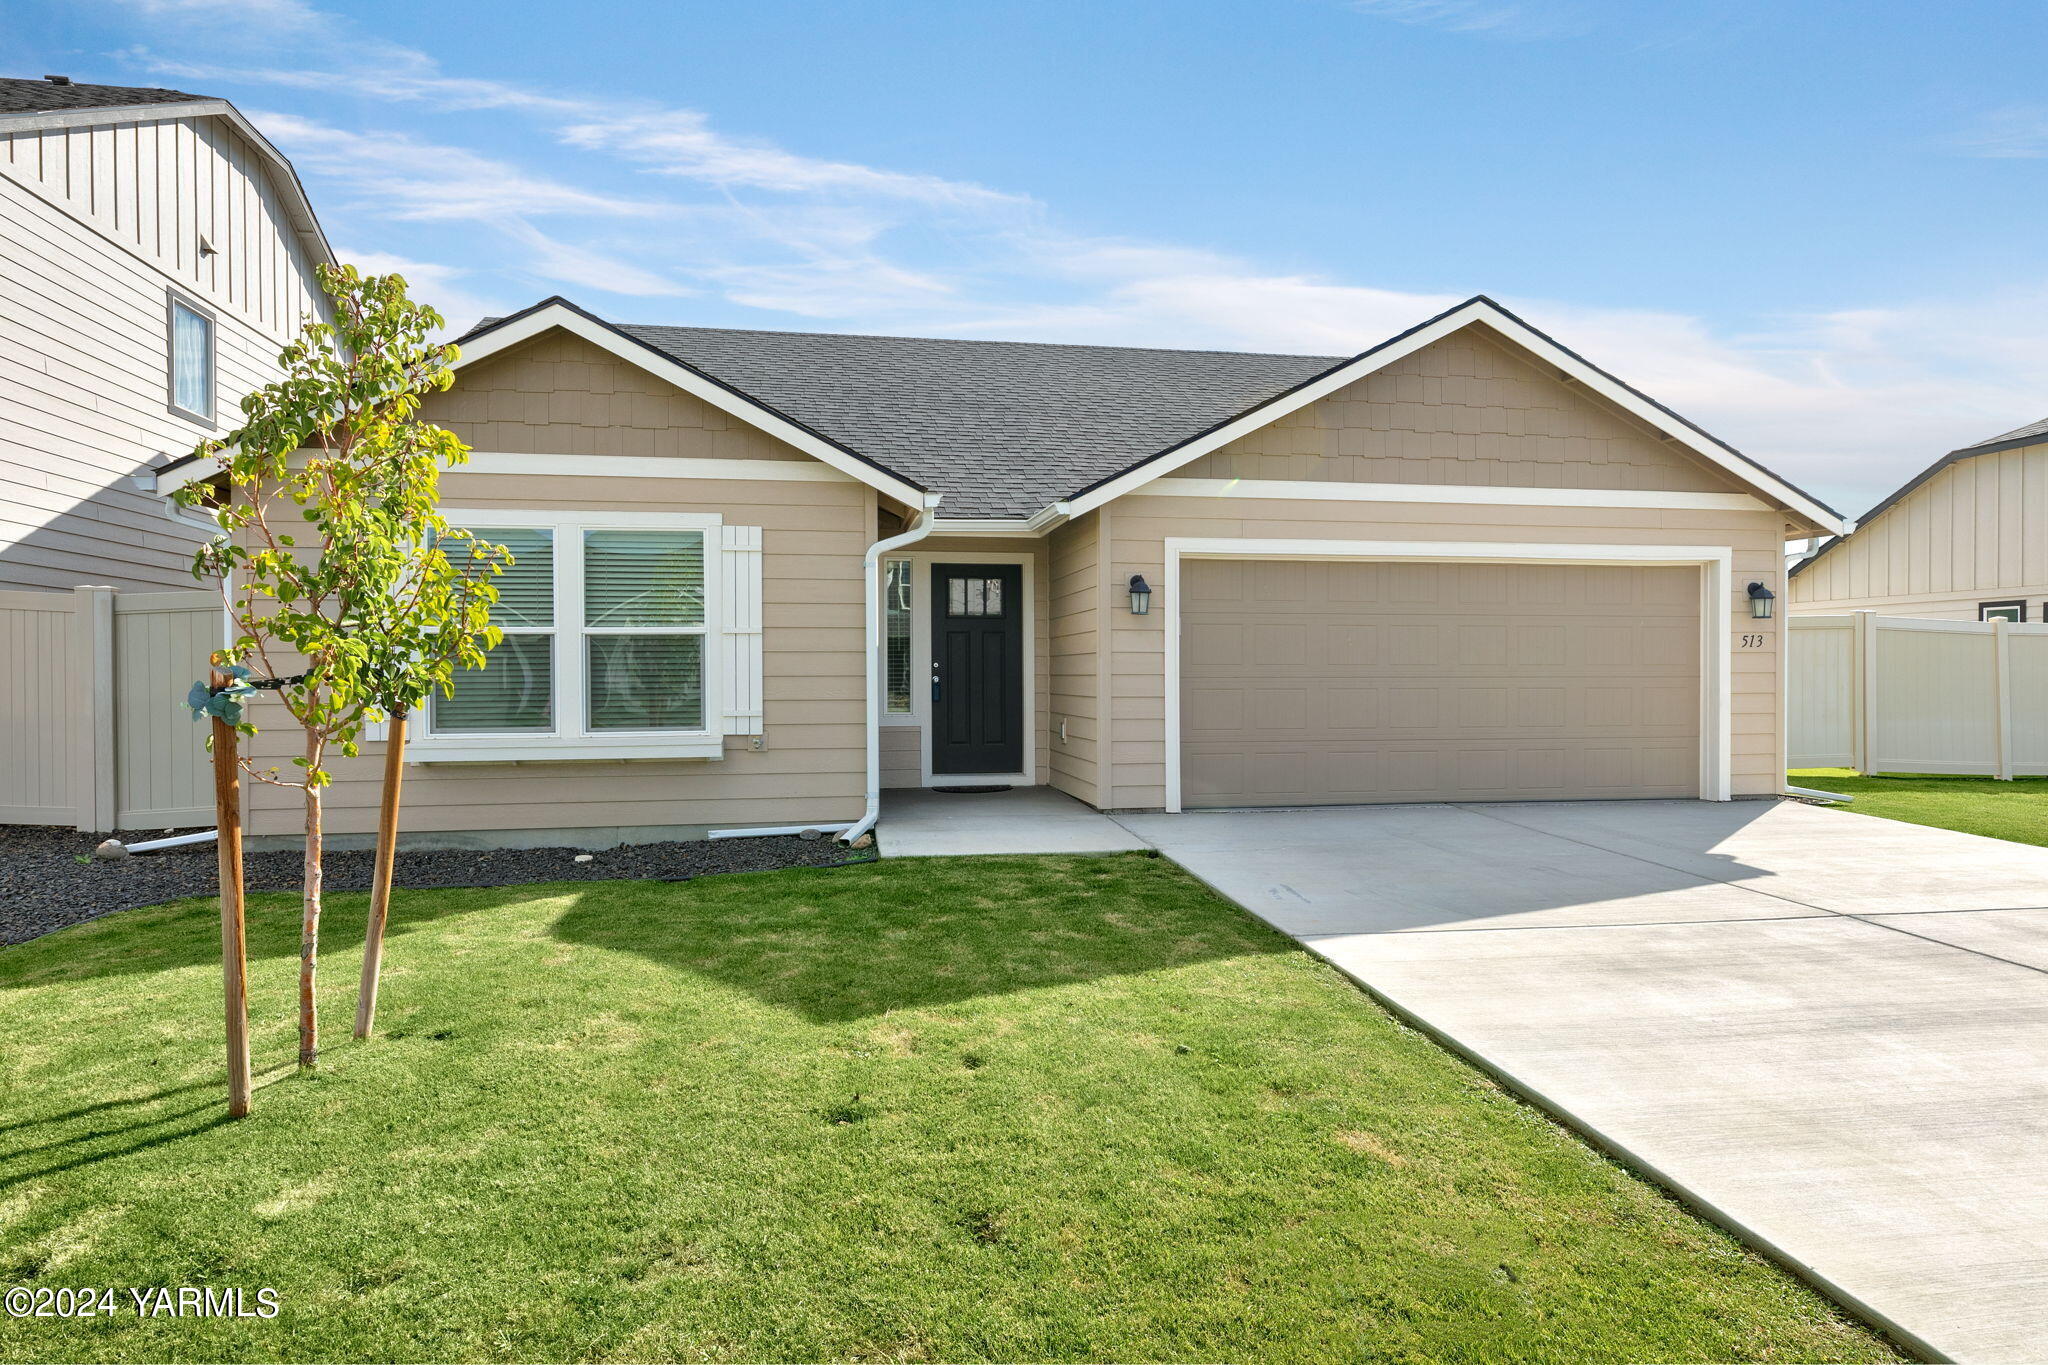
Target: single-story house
[
  {"x": 1966, "y": 539},
  {"x": 763, "y": 576}
]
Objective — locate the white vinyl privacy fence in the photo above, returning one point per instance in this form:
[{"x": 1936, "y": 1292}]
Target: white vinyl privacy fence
[
  {"x": 93, "y": 728},
  {"x": 1904, "y": 695}
]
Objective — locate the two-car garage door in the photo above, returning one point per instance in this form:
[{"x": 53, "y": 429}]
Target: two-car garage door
[{"x": 1307, "y": 682}]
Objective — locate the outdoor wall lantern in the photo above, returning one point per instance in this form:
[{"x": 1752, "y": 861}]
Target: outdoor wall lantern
[
  {"x": 1760, "y": 599},
  {"x": 1141, "y": 595}
]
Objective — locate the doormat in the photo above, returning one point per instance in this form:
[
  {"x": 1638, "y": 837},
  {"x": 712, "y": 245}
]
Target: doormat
[{"x": 969, "y": 791}]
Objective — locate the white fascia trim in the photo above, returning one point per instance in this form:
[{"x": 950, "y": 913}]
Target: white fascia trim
[
  {"x": 1472, "y": 494},
  {"x": 1717, "y": 618},
  {"x": 1476, "y": 311},
  {"x": 305, "y": 224},
  {"x": 648, "y": 467},
  {"x": 982, "y": 526},
  {"x": 1037, "y": 524},
  {"x": 689, "y": 381},
  {"x": 168, "y": 481}
]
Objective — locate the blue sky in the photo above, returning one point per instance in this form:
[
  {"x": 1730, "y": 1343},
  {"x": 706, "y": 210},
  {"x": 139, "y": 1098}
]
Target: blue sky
[{"x": 1817, "y": 229}]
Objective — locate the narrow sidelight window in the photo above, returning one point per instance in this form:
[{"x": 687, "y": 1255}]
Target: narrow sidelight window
[{"x": 896, "y": 635}]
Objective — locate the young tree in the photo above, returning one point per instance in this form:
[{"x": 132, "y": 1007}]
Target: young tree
[
  {"x": 439, "y": 620},
  {"x": 332, "y": 557}
]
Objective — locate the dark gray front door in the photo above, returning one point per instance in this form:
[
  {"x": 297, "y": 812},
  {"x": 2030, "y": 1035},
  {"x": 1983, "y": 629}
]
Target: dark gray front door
[{"x": 977, "y": 668}]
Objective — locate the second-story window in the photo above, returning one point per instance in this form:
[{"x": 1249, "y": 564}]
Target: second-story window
[{"x": 191, "y": 361}]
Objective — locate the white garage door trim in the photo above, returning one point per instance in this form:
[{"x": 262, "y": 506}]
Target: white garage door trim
[{"x": 1715, "y": 563}]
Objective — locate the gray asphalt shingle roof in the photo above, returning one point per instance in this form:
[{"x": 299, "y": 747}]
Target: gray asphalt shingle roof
[
  {"x": 19, "y": 95},
  {"x": 1002, "y": 428},
  {"x": 1006, "y": 428},
  {"x": 2017, "y": 434}
]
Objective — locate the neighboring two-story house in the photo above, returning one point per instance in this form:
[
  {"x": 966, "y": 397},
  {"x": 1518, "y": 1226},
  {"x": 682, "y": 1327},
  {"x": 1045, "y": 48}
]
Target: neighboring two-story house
[
  {"x": 1964, "y": 540},
  {"x": 156, "y": 253}
]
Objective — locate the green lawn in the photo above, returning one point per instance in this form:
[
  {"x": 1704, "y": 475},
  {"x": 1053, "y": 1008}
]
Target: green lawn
[
  {"x": 2015, "y": 810},
  {"x": 991, "y": 1109}
]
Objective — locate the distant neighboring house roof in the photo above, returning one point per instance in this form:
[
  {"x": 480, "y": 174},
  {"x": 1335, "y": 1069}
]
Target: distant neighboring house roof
[
  {"x": 62, "y": 103},
  {"x": 19, "y": 95},
  {"x": 2034, "y": 433},
  {"x": 1006, "y": 429}
]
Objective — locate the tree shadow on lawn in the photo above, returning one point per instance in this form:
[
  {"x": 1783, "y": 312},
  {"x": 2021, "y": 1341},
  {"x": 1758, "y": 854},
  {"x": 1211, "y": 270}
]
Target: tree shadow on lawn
[
  {"x": 186, "y": 933},
  {"x": 832, "y": 944},
  {"x": 836, "y": 945}
]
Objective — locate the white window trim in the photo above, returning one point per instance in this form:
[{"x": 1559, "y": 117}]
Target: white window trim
[
  {"x": 920, "y": 713},
  {"x": 1717, "y": 618},
  {"x": 174, "y": 299},
  {"x": 570, "y": 739}
]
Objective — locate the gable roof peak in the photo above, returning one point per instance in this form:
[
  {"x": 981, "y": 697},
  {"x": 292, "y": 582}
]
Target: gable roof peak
[{"x": 1008, "y": 428}]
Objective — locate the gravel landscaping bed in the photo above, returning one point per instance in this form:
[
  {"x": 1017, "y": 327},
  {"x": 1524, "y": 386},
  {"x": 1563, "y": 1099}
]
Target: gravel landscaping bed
[{"x": 49, "y": 879}]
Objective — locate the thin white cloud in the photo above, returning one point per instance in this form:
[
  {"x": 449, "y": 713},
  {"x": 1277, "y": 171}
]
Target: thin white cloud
[
  {"x": 2018, "y": 132},
  {"x": 407, "y": 178},
  {"x": 1848, "y": 402},
  {"x": 1490, "y": 18},
  {"x": 448, "y": 290},
  {"x": 681, "y": 142},
  {"x": 584, "y": 267}
]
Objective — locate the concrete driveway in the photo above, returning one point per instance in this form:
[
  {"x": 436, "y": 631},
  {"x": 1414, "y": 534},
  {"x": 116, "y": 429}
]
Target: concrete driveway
[{"x": 1829, "y": 1029}]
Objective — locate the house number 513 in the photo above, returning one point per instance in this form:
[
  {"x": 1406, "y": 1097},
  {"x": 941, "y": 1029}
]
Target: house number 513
[{"x": 1754, "y": 641}]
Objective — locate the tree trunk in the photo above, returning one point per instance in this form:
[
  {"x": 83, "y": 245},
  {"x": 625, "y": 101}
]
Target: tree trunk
[
  {"x": 234, "y": 953},
  {"x": 309, "y": 924},
  {"x": 380, "y": 884}
]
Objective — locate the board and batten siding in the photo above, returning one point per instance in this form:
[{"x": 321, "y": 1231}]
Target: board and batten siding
[
  {"x": 97, "y": 224},
  {"x": 1975, "y": 532},
  {"x": 812, "y": 768}
]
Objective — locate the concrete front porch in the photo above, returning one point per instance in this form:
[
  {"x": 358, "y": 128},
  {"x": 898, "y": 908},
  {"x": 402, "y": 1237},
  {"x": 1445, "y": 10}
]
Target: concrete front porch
[{"x": 923, "y": 823}]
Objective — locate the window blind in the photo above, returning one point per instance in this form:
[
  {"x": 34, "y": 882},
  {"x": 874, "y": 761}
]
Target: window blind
[
  {"x": 526, "y": 589},
  {"x": 514, "y": 690},
  {"x": 896, "y": 634},
  {"x": 643, "y": 578},
  {"x": 646, "y": 682}
]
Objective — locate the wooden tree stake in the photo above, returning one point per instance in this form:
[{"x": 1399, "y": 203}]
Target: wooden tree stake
[
  {"x": 234, "y": 947},
  {"x": 380, "y": 885}
]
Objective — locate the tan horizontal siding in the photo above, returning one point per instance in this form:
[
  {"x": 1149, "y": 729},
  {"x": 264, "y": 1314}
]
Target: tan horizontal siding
[
  {"x": 1075, "y": 596},
  {"x": 1142, "y": 524},
  {"x": 813, "y": 768}
]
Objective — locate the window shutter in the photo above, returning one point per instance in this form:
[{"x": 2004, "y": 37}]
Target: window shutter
[{"x": 740, "y": 624}]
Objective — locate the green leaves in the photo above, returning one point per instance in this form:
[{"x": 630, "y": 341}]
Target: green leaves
[{"x": 363, "y": 589}]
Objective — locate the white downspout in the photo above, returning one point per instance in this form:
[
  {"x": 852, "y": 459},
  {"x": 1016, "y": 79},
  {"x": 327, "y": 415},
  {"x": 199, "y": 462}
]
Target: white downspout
[{"x": 920, "y": 527}]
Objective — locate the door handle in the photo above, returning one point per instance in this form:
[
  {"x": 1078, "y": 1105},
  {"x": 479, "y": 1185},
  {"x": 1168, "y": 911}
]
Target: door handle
[{"x": 935, "y": 680}]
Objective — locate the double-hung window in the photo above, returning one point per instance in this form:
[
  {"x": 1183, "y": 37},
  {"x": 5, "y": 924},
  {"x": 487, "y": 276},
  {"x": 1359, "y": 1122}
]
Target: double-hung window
[{"x": 613, "y": 640}]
